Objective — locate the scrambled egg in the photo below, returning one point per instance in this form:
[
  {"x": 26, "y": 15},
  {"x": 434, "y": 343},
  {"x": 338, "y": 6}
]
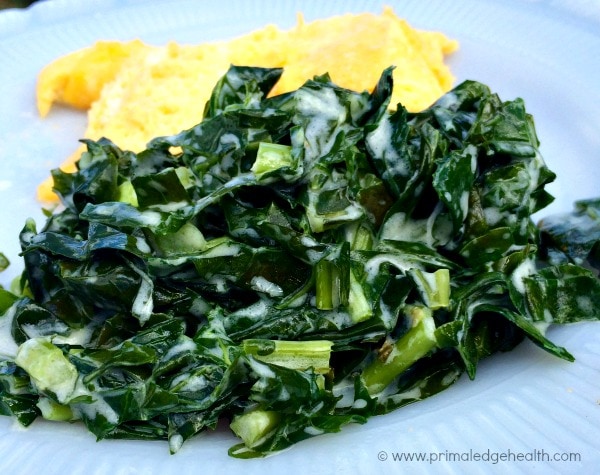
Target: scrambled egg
[{"x": 135, "y": 91}]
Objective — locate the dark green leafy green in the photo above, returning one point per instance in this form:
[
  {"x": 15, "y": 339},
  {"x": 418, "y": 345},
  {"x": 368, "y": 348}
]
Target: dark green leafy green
[
  {"x": 292, "y": 264},
  {"x": 574, "y": 237}
]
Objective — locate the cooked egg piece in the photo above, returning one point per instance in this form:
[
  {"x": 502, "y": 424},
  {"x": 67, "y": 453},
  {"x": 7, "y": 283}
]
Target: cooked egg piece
[{"x": 78, "y": 78}]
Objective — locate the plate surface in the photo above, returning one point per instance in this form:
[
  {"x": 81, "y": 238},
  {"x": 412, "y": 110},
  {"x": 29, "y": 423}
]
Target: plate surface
[{"x": 525, "y": 408}]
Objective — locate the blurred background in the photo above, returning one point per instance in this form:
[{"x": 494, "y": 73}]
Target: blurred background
[{"x": 15, "y": 3}]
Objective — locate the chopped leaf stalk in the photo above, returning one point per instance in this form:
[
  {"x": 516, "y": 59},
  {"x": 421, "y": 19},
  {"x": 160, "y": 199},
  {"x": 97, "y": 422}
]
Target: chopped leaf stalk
[
  {"x": 254, "y": 426},
  {"x": 396, "y": 357},
  {"x": 299, "y": 355}
]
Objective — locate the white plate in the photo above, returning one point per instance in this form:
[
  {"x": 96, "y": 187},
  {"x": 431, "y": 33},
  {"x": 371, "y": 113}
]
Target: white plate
[{"x": 524, "y": 407}]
